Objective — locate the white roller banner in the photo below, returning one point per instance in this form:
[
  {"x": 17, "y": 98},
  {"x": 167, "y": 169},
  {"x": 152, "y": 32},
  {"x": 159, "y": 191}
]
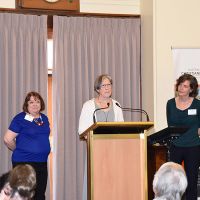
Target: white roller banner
[{"x": 186, "y": 61}]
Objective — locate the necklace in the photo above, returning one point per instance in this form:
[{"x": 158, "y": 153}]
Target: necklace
[{"x": 38, "y": 121}]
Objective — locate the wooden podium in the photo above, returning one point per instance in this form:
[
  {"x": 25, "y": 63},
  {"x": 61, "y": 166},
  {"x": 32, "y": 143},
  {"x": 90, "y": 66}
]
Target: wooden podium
[{"x": 117, "y": 160}]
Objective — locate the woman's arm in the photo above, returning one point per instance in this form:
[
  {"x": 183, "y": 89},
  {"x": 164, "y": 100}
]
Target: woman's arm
[
  {"x": 9, "y": 139},
  {"x": 86, "y": 116},
  {"x": 168, "y": 114}
]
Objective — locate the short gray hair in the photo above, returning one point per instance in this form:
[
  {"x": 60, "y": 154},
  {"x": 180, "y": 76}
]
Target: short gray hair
[
  {"x": 99, "y": 80},
  {"x": 170, "y": 182}
]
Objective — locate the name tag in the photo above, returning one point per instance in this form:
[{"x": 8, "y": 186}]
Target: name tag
[
  {"x": 29, "y": 117},
  {"x": 192, "y": 111}
]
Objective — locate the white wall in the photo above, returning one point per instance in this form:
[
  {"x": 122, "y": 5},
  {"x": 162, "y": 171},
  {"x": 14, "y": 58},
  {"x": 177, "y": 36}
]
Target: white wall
[
  {"x": 175, "y": 24},
  {"x": 110, "y": 6},
  {"x": 7, "y": 3},
  {"x": 147, "y": 57}
]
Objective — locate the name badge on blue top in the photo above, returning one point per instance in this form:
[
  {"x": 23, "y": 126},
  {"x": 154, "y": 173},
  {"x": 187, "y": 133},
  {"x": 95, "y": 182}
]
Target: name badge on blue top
[{"x": 192, "y": 111}]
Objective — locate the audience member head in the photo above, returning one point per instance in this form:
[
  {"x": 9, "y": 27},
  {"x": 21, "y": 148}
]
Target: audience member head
[
  {"x": 20, "y": 183},
  {"x": 169, "y": 182},
  {"x": 23, "y": 179}
]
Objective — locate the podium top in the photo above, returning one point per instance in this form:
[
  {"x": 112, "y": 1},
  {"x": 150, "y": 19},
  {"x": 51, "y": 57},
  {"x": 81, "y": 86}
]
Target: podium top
[{"x": 117, "y": 128}]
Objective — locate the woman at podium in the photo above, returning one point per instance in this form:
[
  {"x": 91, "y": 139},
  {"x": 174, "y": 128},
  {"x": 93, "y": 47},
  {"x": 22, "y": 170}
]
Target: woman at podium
[
  {"x": 99, "y": 109},
  {"x": 184, "y": 110},
  {"x": 102, "y": 108}
]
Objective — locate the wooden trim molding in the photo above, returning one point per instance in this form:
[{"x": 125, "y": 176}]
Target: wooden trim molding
[{"x": 19, "y": 10}]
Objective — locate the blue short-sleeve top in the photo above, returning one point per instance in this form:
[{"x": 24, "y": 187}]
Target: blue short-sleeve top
[{"x": 32, "y": 141}]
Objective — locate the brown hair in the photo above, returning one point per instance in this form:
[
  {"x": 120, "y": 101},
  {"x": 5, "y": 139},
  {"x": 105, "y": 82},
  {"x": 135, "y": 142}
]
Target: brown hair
[
  {"x": 36, "y": 95},
  {"x": 99, "y": 80},
  {"x": 193, "y": 83},
  {"x": 22, "y": 179}
]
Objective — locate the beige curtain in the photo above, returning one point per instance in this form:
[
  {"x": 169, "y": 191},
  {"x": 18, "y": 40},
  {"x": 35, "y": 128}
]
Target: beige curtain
[
  {"x": 85, "y": 47},
  {"x": 23, "y": 67}
]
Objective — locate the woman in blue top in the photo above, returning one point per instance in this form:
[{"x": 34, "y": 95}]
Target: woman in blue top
[
  {"x": 184, "y": 110},
  {"x": 28, "y": 138}
]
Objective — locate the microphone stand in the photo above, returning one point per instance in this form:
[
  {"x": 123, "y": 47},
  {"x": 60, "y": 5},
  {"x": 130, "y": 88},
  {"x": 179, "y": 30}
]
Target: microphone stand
[
  {"x": 135, "y": 110},
  {"x": 94, "y": 118}
]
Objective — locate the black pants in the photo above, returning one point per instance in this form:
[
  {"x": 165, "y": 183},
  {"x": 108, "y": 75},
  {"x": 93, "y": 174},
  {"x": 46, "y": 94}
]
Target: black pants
[
  {"x": 191, "y": 158},
  {"x": 41, "y": 178}
]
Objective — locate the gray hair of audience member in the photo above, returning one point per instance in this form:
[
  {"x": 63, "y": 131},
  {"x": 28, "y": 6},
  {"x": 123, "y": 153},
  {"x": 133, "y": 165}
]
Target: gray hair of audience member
[
  {"x": 22, "y": 179},
  {"x": 169, "y": 182}
]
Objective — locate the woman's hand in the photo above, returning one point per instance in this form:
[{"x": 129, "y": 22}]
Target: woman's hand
[
  {"x": 6, "y": 192},
  {"x": 199, "y": 131},
  {"x": 9, "y": 139}
]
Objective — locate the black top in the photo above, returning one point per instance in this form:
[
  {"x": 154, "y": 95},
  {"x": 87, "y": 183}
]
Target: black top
[{"x": 189, "y": 117}]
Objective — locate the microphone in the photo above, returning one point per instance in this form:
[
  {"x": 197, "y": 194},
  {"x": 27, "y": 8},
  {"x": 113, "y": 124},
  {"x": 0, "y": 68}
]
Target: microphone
[
  {"x": 94, "y": 118},
  {"x": 134, "y": 110}
]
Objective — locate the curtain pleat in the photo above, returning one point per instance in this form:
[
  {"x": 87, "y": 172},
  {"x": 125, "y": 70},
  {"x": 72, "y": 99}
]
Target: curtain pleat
[
  {"x": 85, "y": 47},
  {"x": 23, "y": 68}
]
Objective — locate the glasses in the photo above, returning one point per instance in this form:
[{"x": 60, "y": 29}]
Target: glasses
[{"x": 106, "y": 86}]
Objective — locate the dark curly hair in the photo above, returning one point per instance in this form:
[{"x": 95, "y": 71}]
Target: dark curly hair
[{"x": 193, "y": 83}]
